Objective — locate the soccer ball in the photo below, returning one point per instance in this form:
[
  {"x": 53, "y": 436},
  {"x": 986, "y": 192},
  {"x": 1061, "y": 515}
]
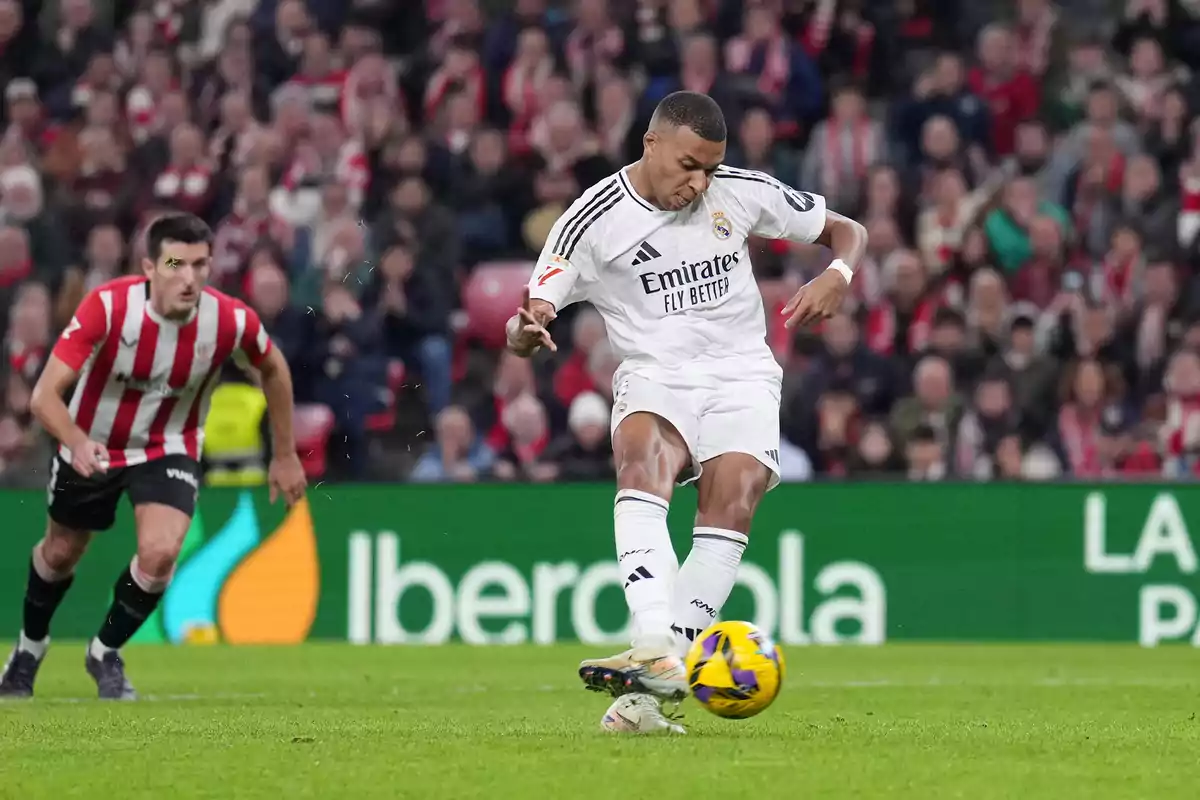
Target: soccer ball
[{"x": 734, "y": 670}]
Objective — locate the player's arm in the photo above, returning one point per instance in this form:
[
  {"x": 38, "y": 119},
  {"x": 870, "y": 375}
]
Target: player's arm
[
  {"x": 257, "y": 353},
  {"x": 822, "y": 297},
  {"x": 847, "y": 238},
  {"x": 47, "y": 404},
  {"x": 785, "y": 213},
  {"x": 85, "y": 333},
  {"x": 565, "y": 262}
]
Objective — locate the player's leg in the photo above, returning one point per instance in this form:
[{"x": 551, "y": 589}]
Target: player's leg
[
  {"x": 738, "y": 445},
  {"x": 163, "y": 494},
  {"x": 729, "y": 490},
  {"x": 649, "y": 454},
  {"x": 51, "y": 572},
  {"x": 76, "y": 506},
  {"x": 651, "y": 450}
]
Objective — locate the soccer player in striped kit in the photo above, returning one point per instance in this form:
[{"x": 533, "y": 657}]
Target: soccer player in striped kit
[{"x": 144, "y": 353}]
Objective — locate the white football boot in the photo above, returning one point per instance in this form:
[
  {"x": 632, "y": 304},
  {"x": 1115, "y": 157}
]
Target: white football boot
[
  {"x": 639, "y": 713},
  {"x": 640, "y": 670}
]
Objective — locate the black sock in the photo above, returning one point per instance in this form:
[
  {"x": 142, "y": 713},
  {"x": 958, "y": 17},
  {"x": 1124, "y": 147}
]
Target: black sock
[
  {"x": 130, "y": 607},
  {"x": 41, "y": 601}
]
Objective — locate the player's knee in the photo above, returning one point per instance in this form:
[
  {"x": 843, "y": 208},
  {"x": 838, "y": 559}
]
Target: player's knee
[
  {"x": 61, "y": 549},
  {"x": 733, "y": 506},
  {"x": 735, "y": 515},
  {"x": 157, "y": 560},
  {"x": 158, "y": 552},
  {"x": 646, "y": 471},
  {"x": 639, "y": 476}
]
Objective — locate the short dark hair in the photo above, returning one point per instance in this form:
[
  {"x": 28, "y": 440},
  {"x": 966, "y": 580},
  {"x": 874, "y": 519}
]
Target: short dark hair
[
  {"x": 949, "y": 316},
  {"x": 693, "y": 110},
  {"x": 176, "y": 227}
]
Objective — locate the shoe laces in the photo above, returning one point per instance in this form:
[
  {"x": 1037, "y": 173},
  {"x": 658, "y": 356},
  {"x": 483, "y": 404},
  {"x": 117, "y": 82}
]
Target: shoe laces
[
  {"x": 20, "y": 669},
  {"x": 112, "y": 676}
]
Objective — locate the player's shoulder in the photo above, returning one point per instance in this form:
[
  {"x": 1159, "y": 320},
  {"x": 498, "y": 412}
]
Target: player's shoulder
[
  {"x": 736, "y": 178},
  {"x": 118, "y": 285},
  {"x": 224, "y": 301},
  {"x": 220, "y": 297},
  {"x": 587, "y": 219},
  {"x": 602, "y": 198},
  {"x": 752, "y": 184},
  {"x": 112, "y": 293}
]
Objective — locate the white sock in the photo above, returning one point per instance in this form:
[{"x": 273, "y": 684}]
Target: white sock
[
  {"x": 98, "y": 650},
  {"x": 36, "y": 647},
  {"x": 648, "y": 562},
  {"x": 705, "y": 581}
]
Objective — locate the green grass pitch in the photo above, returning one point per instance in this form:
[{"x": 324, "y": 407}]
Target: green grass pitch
[{"x": 334, "y": 721}]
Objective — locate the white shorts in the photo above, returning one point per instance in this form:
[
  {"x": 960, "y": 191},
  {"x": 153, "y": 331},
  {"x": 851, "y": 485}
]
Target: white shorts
[{"x": 714, "y": 413}]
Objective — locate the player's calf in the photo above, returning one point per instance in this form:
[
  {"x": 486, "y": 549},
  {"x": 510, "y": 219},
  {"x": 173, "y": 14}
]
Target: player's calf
[
  {"x": 135, "y": 596},
  {"x": 649, "y": 454},
  {"x": 728, "y": 495},
  {"x": 137, "y": 592},
  {"x": 51, "y": 572}
]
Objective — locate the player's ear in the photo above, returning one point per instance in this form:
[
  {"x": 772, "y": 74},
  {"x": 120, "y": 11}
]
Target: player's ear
[
  {"x": 650, "y": 141},
  {"x": 147, "y": 267}
]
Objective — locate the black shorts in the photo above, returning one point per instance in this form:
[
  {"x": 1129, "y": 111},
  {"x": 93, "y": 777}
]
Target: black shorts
[{"x": 90, "y": 504}]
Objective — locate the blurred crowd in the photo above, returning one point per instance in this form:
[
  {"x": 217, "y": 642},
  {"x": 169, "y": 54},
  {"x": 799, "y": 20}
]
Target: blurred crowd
[{"x": 377, "y": 170}]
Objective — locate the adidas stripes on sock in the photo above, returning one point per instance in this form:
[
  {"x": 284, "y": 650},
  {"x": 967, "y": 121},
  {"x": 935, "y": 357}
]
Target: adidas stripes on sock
[
  {"x": 705, "y": 581},
  {"x": 647, "y": 560}
]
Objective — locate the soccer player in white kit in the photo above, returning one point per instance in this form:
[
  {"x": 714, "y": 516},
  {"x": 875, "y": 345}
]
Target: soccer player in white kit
[{"x": 660, "y": 249}]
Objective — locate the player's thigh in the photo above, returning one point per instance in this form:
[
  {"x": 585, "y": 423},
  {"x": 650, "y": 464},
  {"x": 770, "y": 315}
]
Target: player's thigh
[
  {"x": 739, "y": 450},
  {"x": 164, "y": 494},
  {"x": 77, "y": 504},
  {"x": 654, "y": 429}
]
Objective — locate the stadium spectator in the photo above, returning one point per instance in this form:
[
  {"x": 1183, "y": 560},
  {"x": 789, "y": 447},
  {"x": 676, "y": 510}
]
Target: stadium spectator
[
  {"x": 415, "y": 318},
  {"x": 522, "y": 458},
  {"x": 842, "y": 148},
  {"x": 457, "y": 454},
  {"x": 934, "y": 405},
  {"x": 572, "y": 377},
  {"x": 584, "y": 452}
]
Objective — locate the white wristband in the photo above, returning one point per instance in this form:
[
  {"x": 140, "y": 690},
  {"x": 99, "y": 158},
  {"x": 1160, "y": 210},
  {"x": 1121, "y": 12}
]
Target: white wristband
[{"x": 842, "y": 269}]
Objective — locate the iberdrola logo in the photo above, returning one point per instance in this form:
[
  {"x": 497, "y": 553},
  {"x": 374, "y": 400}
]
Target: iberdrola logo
[{"x": 239, "y": 588}]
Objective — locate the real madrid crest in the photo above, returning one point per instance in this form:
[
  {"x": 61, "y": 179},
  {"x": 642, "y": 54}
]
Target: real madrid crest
[{"x": 722, "y": 228}]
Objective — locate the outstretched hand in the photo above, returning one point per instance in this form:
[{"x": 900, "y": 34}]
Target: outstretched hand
[
  {"x": 817, "y": 300},
  {"x": 526, "y": 334}
]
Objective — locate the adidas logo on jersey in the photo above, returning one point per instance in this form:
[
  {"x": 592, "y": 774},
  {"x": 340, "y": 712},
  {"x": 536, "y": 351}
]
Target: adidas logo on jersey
[{"x": 646, "y": 253}]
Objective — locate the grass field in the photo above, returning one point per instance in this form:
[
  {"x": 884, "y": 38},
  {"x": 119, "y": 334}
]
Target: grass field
[{"x": 334, "y": 721}]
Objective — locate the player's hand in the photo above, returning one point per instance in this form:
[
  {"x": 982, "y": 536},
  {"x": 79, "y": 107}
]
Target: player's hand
[
  {"x": 526, "y": 334},
  {"x": 286, "y": 477},
  {"x": 819, "y": 299},
  {"x": 89, "y": 458}
]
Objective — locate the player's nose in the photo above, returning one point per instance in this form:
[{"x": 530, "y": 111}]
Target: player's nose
[{"x": 698, "y": 182}]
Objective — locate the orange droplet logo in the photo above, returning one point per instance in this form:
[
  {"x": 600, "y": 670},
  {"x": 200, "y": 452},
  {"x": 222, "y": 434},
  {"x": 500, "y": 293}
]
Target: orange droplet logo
[{"x": 271, "y": 598}]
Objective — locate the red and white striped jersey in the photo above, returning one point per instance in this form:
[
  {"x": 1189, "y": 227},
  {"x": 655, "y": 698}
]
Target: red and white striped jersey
[{"x": 145, "y": 381}]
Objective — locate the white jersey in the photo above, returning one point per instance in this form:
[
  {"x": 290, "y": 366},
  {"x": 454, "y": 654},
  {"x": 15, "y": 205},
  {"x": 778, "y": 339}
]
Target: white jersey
[{"x": 674, "y": 287}]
